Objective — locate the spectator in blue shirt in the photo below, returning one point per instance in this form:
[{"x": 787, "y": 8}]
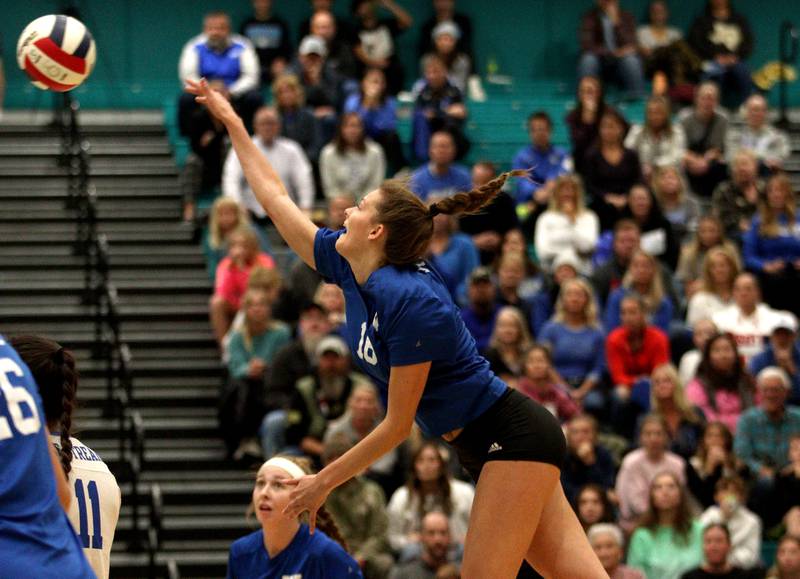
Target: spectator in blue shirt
[
  {"x": 441, "y": 177},
  {"x": 480, "y": 313},
  {"x": 453, "y": 254},
  {"x": 782, "y": 351},
  {"x": 544, "y": 161}
]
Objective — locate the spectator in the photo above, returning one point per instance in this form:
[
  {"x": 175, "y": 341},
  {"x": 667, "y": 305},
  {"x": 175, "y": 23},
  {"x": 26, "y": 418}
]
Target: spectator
[
  {"x": 716, "y": 556},
  {"x": 762, "y": 439},
  {"x": 453, "y": 254},
  {"x": 609, "y": 546},
  {"x": 231, "y": 278},
  {"x": 298, "y": 122},
  {"x": 668, "y": 60},
  {"x": 710, "y": 233},
  {"x": 216, "y": 54},
  {"x": 640, "y": 468},
  {"x": 331, "y": 297},
  {"x": 642, "y": 280},
  {"x": 527, "y": 282},
  {"x": 679, "y": 207},
  {"x": 610, "y": 170},
  {"x": 683, "y": 421},
  {"x": 250, "y": 353},
  {"x": 481, "y": 310},
  {"x": 441, "y": 177},
  {"x": 702, "y": 331},
  {"x": 507, "y": 347},
  {"x": 771, "y": 146},
  {"x": 593, "y": 506},
  {"x": 488, "y": 227},
  {"x": 225, "y": 217},
  {"x": 721, "y": 37},
  {"x": 749, "y": 320},
  {"x": 541, "y": 383},
  {"x": 722, "y": 388},
  {"x": 577, "y": 344},
  {"x": 608, "y": 47},
  {"x": 584, "y": 120},
  {"x": 657, "y": 236},
  {"x": 445, "y": 11},
  {"x": 736, "y": 200},
  {"x": 658, "y": 142},
  {"x": 436, "y": 547},
  {"x": 786, "y": 506},
  {"x": 587, "y": 460},
  {"x": 375, "y": 44},
  {"x": 429, "y": 488},
  {"x": 608, "y": 277},
  {"x": 287, "y": 158},
  {"x": 706, "y": 130},
  {"x": 439, "y": 106},
  {"x": 567, "y": 224},
  {"x": 713, "y": 461},
  {"x": 545, "y": 162},
  {"x": 743, "y": 525},
  {"x": 787, "y": 559},
  {"x": 782, "y": 351},
  {"x": 511, "y": 272},
  {"x": 343, "y": 27},
  {"x": 352, "y": 163},
  {"x": 715, "y": 290},
  {"x": 543, "y": 302},
  {"x": 269, "y": 35},
  {"x": 340, "y": 51},
  {"x": 359, "y": 509},
  {"x": 445, "y": 45},
  {"x": 669, "y": 540},
  {"x": 378, "y": 112},
  {"x": 772, "y": 245},
  {"x": 323, "y": 87}
]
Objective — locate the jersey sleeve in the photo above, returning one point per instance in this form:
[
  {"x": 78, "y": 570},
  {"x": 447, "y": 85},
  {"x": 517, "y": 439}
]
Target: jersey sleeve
[
  {"x": 419, "y": 331},
  {"x": 328, "y": 262}
]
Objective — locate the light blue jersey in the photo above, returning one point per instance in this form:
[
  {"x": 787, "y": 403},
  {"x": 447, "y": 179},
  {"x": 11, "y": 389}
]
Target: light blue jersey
[
  {"x": 36, "y": 539},
  {"x": 404, "y": 316}
]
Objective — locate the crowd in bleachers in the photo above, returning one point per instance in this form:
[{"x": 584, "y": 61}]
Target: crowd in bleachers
[{"x": 640, "y": 285}]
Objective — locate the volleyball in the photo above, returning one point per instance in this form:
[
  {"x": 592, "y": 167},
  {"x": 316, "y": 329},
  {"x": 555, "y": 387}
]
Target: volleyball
[{"x": 57, "y": 52}]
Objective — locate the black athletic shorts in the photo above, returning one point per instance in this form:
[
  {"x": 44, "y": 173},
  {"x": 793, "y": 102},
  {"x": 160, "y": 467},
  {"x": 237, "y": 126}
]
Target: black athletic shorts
[{"x": 513, "y": 428}]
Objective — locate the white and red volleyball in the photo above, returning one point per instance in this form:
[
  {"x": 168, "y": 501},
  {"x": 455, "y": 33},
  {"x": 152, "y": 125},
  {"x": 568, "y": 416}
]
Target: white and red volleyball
[{"x": 57, "y": 52}]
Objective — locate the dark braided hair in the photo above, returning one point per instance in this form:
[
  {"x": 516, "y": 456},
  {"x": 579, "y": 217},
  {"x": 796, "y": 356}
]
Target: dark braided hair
[
  {"x": 53, "y": 368},
  {"x": 409, "y": 221}
]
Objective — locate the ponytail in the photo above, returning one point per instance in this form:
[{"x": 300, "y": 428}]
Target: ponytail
[{"x": 473, "y": 201}]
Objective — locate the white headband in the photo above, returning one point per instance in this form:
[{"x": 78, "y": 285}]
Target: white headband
[{"x": 285, "y": 464}]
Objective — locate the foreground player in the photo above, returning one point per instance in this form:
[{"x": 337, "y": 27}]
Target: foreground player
[
  {"x": 409, "y": 338},
  {"x": 36, "y": 539}
]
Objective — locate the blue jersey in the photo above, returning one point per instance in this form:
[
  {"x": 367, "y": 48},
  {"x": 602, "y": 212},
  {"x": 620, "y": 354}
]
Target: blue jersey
[
  {"x": 306, "y": 557},
  {"x": 404, "y": 316},
  {"x": 36, "y": 539}
]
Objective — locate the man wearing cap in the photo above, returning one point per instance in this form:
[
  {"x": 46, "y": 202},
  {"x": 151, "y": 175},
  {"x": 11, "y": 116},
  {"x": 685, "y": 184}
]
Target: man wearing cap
[
  {"x": 323, "y": 87},
  {"x": 340, "y": 52},
  {"x": 480, "y": 313},
  {"x": 782, "y": 351}
]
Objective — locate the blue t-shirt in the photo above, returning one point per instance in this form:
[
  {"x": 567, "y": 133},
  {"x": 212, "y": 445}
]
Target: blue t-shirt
[
  {"x": 577, "y": 354},
  {"x": 425, "y": 184},
  {"x": 306, "y": 557},
  {"x": 36, "y": 539},
  {"x": 542, "y": 166},
  {"x": 404, "y": 316}
]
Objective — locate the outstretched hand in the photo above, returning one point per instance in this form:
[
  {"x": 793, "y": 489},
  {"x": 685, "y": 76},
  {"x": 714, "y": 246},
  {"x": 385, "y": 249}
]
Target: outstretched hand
[
  {"x": 309, "y": 495},
  {"x": 216, "y": 103}
]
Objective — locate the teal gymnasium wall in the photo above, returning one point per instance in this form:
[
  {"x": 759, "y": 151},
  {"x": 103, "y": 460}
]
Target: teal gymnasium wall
[{"x": 139, "y": 41}]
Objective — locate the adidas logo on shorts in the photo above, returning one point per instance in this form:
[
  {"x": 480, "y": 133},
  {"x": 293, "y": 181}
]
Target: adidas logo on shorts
[{"x": 495, "y": 447}]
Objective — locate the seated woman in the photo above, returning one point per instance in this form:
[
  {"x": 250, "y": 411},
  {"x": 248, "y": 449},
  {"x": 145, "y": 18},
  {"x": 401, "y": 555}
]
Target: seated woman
[
  {"x": 593, "y": 506},
  {"x": 772, "y": 245},
  {"x": 684, "y": 422},
  {"x": 225, "y": 217},
  {"x": 787, "y": 559},
  {"x": 543, "y": 302},
  {"x": 658, "y": 142},
  {"x": 250, "y": 352},
  {"x": 608, "y": 543},
  {"x": 577, "y": 344},
  {"x": 669, "y": 540},
  {"x": 679, "y": 207},
  {"x": 715, "y": 290},
  {"x": 283, "y": 546},
  {"x": 331, "y": 298},
  {"x": 298, "y": 122},
  {"x": 541, "y": 382},
  {"x": 511, "y": 282},
  {"x": 378, "y": 112},
  {"x": 351, "y": 164},
  {"x": 642, "y": 279},
  {"x": 445, "y": 45},
  {"x": 658, "y": 238},
  {"x": 713, "y": 460},
  {"x": 230, "y": 282},
  {"x": 508, "y": 344},
  {"x": 722, "y": 389},
  {"x": 710, "y": 233},
  {"x": 429, "y": 487},
  {"x": 567, "y": 224}
]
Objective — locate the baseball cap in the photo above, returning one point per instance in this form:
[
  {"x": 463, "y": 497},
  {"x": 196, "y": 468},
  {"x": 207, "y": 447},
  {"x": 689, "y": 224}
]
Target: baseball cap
[
  {"x": 447, "y": 27},
  {"x": 566, "y": 257},
  {"x": 785, "y": 321},
  {"x": 332, "y": 344},
  {"x": 313, "y": 45},
  {"x": 480, "y": 273}
]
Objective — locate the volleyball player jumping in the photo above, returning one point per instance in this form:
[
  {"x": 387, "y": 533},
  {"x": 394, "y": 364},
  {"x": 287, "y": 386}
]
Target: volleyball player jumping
[{"x": 409, "y": 338}]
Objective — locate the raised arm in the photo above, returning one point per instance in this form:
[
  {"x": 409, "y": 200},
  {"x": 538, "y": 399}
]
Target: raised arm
[{"x": 293, "y": 225}]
